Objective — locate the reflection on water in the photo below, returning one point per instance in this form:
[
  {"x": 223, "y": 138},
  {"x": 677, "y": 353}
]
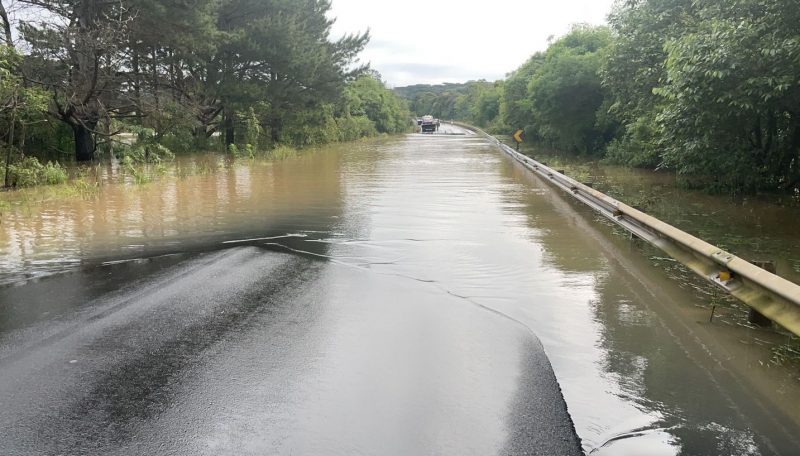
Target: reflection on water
[
  {"x": 654, "y": 383},
  {"x": 756, "y": 227},
  {"x": 173, "y": 214},
  {"x": 640, "y": 368}
]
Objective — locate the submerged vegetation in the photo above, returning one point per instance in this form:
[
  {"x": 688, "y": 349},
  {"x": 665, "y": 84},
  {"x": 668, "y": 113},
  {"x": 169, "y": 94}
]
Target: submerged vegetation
[
  {"x": 141, "y": 80},
  {"x": 708, "y": 89},
  {"x": 29, "y": 172}
]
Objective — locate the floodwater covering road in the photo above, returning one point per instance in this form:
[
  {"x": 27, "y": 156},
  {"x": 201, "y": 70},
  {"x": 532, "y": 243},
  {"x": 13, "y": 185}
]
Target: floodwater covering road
[{"x": 385, "y": 297}]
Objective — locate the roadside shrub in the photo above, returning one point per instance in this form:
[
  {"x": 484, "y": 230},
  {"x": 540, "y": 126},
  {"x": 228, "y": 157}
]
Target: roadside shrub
[
  {"x": 309, "y": 127},
  {"x": 182, "y": 141},
  {"x": 145, "y": 149},
  {"x": 53, "y": 174},
  {"x": 638, "y": 147},
  {"x": 25, "y": 173},
  {"x": 355, "y": 127}
]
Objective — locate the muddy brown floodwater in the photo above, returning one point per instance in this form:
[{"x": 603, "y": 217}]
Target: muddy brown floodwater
[
  {"x": 761, "y": 227},
  {"x": 641, "y": 368}
]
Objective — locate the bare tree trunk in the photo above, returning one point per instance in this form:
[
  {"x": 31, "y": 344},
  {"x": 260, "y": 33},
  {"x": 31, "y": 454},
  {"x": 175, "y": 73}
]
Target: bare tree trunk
[
  {"x": 173, "y": 83},
  {"x": 10, "y": 143},
  {"x": 230, "y": 131},
  {"x": 6, "y": 26},
  {"x": 22, "y": 136},
  {"x": 137, "y": 80},
  {"x": 84, "y": 143},
  {"x": 156, "y": 126}
]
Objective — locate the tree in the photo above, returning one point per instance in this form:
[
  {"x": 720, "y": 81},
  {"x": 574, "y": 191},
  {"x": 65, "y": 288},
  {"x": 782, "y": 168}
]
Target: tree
[
  {"x": 166, "y": 41},
  {"x": 75, "y": 56},
  {"x": 5, "y": 23},
  {"x": 487, "y": 107},
  {"x": 367, "y": 96},
  {"x": 633, "y": 67},
  {"x": 278, "y": 51},
  {"x": 565, "y": 92},
  {"x": 732, "y": 95},
  {"x": 515, "y": 108},
  {"x": 19, "y": 106}
]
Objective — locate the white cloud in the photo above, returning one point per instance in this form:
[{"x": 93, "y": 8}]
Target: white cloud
[{"x": 438, "y": 41}]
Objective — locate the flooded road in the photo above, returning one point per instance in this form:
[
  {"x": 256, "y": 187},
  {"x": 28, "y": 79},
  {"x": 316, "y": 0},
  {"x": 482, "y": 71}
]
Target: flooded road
[
  {"x": 388, "y": 297},
  {"x": 760, "y": 227}
]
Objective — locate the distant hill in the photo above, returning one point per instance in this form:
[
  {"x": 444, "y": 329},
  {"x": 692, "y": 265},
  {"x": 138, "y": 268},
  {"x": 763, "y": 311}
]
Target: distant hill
[
  {"x": 444, "y": 101},
  {"x": 410, "y": 92}
]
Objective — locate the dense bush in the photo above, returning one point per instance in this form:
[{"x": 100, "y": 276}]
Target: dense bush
[
  {"x": 29, "y": 172},
  {"x": 354, "y": 127},
  {"x": 145, "y": 148}
]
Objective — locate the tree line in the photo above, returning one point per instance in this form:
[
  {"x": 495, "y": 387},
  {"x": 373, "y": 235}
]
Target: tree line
[
  {"x": 707, "y": 88},
  {"x": 75, "y": 73}
]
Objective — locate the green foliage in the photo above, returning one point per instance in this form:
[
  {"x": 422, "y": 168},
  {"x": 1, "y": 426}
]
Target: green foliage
[
  {"x": 53, "y": 174},
  {"x": 441, "y": 105},
  {"x": 731, "y": 95},
  {"x": 29, "y": 172},
  {"x": 283, "y": 152},
  {"x": 240, "y": 67},
  {"x": 26, "y": 173},
  {"x": 515, "y": 107},
  {"x": 366, "y": 109},
  {"x": 171, "y": 125},
  {"x": 145, "y": 148},
  {"x": 137, "y": 170},
  {"x": 565, "y": 92},
  {"x": 633, "y": 68},
  {"x": 557, "y": 96},
  {"x": 354, "y": 127},
  {"x": 477, "y": 102},
  {"x": 636, "y": 146},
  {"x": 309, "y": 127},
  {"x": 252, "y": 128},
  {"x": 369, "y": 97},
  {"x": 709, "y": 89},
  {"x": 20, "y": 107},
  {"x": 87, "y": 181},
  {"x": 413, "y": 91},
  {"x": 488, "y": 104},
  {"x": 246, "y": 151}
]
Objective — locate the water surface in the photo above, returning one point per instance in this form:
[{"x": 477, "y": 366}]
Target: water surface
[{"x": 641, "y": 369}]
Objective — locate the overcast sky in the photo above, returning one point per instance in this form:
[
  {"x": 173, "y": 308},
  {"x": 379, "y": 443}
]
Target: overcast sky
[{"x": 435, "y": 41}]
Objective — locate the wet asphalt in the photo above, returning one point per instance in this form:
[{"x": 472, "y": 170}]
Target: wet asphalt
[{"x": 267, "y": 349}]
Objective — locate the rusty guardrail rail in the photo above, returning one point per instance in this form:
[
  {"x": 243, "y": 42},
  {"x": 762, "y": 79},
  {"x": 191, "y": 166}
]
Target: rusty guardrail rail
[{"x": 768, "y": 294}]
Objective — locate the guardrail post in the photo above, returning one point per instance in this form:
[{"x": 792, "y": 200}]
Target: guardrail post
[{"x": 755, "y": 317}]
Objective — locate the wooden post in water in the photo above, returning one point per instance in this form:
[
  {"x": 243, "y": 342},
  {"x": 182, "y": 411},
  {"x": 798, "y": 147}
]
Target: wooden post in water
[{"x": 755, "y": 317}]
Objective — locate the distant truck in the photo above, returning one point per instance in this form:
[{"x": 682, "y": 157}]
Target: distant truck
[{"x": 428, "y": 124}]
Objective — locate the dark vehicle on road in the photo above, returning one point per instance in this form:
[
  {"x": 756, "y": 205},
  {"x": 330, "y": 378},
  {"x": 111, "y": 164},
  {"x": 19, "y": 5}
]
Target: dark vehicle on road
[{"x": 429, "y": 124}]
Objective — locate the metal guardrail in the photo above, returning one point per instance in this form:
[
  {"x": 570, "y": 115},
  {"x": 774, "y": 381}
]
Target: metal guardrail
[{"x": 770, "y": 295}]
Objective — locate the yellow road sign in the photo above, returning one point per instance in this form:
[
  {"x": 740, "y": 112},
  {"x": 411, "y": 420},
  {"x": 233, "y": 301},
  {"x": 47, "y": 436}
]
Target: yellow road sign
[{"x": 518, "y": 136}]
